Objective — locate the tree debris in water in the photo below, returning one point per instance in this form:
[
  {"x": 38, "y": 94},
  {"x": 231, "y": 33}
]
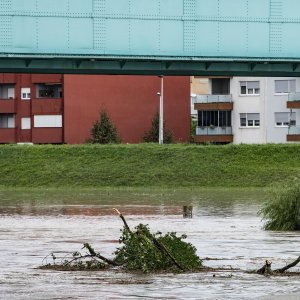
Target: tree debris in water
[
  {"x": 140, "y": 250},
  {"x": 267, "y": 269}
]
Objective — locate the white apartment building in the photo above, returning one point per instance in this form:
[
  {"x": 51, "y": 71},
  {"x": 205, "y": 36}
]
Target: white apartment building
[{"x": 249, "y": 110}]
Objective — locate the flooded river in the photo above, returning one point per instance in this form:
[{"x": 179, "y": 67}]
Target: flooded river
[{"x": 225, "y": 229}]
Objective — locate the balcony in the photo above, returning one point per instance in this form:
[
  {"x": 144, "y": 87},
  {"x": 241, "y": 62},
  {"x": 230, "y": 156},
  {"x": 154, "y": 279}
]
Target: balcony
[
  {"x": 7, "y": 106},
  {"x": 49, "y": 105},
  {"x": 214, "y": 134},
  {"x": 293, "y": 134},
  {"x": 294, "y": 101},
  {"x": 213, "y": 102},
  {"x": 7, "y": 135}
]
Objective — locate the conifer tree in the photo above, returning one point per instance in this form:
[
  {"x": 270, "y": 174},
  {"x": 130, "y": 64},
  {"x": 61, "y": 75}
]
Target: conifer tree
[
  {"x": 152, "y": 135},
  {"x": 103, "y": 130}
]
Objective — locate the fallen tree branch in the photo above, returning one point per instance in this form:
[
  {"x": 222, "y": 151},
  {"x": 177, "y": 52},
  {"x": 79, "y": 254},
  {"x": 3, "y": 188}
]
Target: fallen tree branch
[
  {"x": 293, "y": 264},
  {"x": 98, "y": 255},
  {"x": 267, "y": 270},
  {"x": 159, "y": 246},
  {"x": 123, "y": 219}
]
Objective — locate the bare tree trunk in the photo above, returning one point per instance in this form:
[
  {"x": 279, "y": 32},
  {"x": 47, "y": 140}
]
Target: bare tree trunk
[
  {"x": 267, "y": 270},
  {"x": 293, "y": 264}
]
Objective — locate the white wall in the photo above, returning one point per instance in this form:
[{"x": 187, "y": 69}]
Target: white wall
[
  {"x": 248, "y": 104},
  {"x": 278, "y": 103}
]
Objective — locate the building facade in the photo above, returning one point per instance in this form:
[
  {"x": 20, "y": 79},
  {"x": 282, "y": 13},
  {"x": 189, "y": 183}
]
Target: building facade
[
  {"x": 248, "y": 110},
  {"x": 62, "y": 108}
]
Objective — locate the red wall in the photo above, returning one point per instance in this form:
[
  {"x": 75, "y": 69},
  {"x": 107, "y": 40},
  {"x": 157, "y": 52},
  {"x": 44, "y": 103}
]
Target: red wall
[
  {"x": 131, "y": 102},
  {"x": 27, "y": 108}
]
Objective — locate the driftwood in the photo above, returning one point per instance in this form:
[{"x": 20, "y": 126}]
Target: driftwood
[
  {"x": 101, "y": 257},
  {"x": 267, "y": 270},
  {"x": 291, "y": 265},
  {"x": 156, "y": 242}
]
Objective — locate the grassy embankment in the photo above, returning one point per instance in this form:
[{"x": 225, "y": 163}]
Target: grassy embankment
[{"x": 150, "y": 165}]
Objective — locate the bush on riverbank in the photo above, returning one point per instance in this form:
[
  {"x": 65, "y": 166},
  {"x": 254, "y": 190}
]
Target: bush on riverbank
[
  {"x": 148, "y": 165},
  {"x": 282, "y": 211}
]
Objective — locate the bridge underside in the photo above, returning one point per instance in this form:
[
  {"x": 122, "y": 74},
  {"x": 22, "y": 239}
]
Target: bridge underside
[{"x": 148, "y": 66}]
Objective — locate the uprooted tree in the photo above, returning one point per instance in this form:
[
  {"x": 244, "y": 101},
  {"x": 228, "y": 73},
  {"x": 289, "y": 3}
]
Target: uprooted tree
[
  {"x": 140, "y": 250},
  {"x": 144, "y": 251}
]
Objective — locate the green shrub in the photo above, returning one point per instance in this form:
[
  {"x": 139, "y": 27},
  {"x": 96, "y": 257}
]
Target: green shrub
[
  {"x": 103, "y": 131},
  {"x": 282, "y": 210},
  {"x": 193, "y": 128},
  {"x": 152, "y": 135}
]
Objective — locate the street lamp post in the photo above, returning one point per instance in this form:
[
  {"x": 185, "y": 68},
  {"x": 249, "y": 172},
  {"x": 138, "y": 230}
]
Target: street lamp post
[{"x": 161, "y": 111}]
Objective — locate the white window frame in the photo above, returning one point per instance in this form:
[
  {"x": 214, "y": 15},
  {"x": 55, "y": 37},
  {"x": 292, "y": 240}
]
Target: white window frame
[
  {"x": 289, "y": 87},
  {"x": 25, "y": 123},
  {"x": 254, "y": 93},
  {"x": 290, "y": 116},
  {"x": 250, "y": 123},
  {"x": 25, "y": 94}
]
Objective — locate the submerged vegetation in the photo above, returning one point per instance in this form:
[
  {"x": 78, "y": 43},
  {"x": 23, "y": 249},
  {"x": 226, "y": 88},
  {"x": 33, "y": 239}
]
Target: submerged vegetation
[
  {"x": 140, "y": 250},
  {"x": 143, "y": 251},
  {"x": 148, "y": 165},
  {"x": 282, "y": 210}
]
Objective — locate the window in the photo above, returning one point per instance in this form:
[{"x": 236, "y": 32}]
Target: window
[
  {"x": 48, "y": 121},
  {"x": 25, "y": 123},
  {"x": 25, "y": 93},
  {"x": 250, "y": 120},
  {"x": 214, "y": 118},
  {"x": 283, "y": 119},
  {"x": 7, "y": 121},
  {"x": 49, "y": 90},
  {"x": 285, "y": 86},
  {"x": 220, "y": 86},
  {"x": 7, "y": 91},
  {"x": 249, "y": 87}
]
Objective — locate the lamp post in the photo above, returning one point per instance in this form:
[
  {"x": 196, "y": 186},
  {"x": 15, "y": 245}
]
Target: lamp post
[{"x": 161, "y": 111}]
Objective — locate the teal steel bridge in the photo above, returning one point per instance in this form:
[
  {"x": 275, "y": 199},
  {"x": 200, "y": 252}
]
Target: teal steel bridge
[{"x": 163, "y": 37}]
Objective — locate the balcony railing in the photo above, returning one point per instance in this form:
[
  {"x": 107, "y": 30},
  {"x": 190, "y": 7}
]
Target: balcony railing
[
  {"x": 294, "y": 97},
  {"x": 211, "y": 130},
  {"x": 212, "y": 99},
  {"x": 294, "y": 130}
]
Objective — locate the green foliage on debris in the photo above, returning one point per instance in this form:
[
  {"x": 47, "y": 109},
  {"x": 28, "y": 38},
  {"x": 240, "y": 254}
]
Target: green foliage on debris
[
  {"x": 152, "y": 135},
  {"x": 103, "y": 131},
  {"x": 282, "y": 210},
  {"x": 141, "y": 251}
]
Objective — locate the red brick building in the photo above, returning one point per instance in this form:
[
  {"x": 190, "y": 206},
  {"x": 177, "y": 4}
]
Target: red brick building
[{"x": 62, "y": 108}]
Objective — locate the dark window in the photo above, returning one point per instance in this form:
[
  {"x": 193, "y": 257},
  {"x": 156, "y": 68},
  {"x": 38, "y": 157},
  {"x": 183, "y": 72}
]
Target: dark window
[
  {"x": 208, "y": 118},
  {"x": 220, "y": 86},
  {"x": 49, "y": 91},
  {"x": 7, "y": 91},
  {"x": 7, "y": 121}
]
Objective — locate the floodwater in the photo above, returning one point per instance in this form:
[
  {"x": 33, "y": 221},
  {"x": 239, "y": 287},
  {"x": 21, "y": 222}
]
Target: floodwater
[{"x": 225, "y": 229}]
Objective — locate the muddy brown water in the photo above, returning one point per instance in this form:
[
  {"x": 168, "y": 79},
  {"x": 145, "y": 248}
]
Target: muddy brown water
[{"x": 225, "y": 228}]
